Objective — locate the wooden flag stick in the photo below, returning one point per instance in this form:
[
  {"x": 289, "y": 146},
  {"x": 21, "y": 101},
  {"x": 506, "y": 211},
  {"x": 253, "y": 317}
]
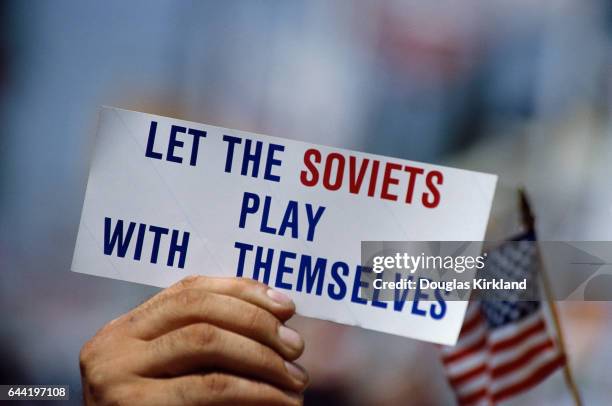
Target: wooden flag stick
[{"x": 529, "y": 222}]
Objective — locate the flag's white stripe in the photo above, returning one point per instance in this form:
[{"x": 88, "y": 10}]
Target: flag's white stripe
[
  {"x": 473, "y": 385},
  {"x": 462, "y": 366},
  {"x": 480, "y": 327},
  {"x": 483, "y": 357},
  {"x": 511, "y": 353},
  {"x": 513, "y": 329},
  {"x": 500, "y": 358},
  {"x": 522, "y": 373},
  {"x": 470, "y": 339}
]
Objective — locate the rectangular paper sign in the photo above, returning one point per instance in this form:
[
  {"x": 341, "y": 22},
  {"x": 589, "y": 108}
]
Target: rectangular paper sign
[{"x": 168, "y": 198}]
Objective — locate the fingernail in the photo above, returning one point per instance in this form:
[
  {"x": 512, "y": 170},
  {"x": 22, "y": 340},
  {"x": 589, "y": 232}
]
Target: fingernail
[
  {"x": 279, "y": 297},
  {"x": 294, "y": 396},
  {"x": 290, "y": 337},
  {"x": 296, "y": 371}
]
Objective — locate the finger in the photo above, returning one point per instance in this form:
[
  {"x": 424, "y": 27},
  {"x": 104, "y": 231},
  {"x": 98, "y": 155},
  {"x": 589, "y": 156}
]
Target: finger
[
  {"x": 215, "y": 389},
  {"x": 201, "y": 347},
  {"x": 246, "y": 289},
  {"x": 189, "y": 306},
  {"x": 257, "y": 293}
]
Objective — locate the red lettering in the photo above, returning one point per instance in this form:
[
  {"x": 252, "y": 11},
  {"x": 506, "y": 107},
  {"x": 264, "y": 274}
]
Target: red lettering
[
  {"x": 388, "y": 180},
  {"x": 373, "y": 178},
  {"x": 330, "y": 170},
  {"x": 413, "y": 171},
  {"x": 435, "y": 193},
  {"x": 311, "y": 157},
  {"x": 355, "y": 180},
  {"x": 329, "y": 163}
]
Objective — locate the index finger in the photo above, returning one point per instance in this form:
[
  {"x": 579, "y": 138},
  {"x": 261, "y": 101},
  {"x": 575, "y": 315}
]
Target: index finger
[{"x": 249, "y": 290}]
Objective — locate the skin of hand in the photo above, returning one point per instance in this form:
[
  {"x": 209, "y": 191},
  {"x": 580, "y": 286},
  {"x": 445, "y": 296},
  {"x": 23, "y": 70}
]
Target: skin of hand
[{"x": 202, "y": 341}]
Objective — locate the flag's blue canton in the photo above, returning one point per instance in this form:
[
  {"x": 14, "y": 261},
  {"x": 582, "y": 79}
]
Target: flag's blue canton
[
  {"x": 514, "y": 260},
  {"x": 501, "y": 312}
]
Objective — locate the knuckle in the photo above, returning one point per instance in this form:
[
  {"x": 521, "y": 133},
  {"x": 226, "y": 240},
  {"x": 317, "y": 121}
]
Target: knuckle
[
  {"x": 189, "y": 281},
  {"x": 202, "y": 335},
  {"x": 182, "y": 392},
  {"x": 189, "y": 297},
  {"x": 239, "y": 285},
  {"x": 87, "y": 355},
  {"x": 268, "y": 358},
  {"x": 86, "y": 352},
  {"x": 124, "y": 395},
  {"x": 260, "y": 319},
  {"x": 264, "y": 355},
  {"x": 216, "y": 384},
  {"x": 108, "y": 328},
  {"x": 97, "y": 379},
  {"x": 249, "y": 283},
  {"x": 105, "y": 388},
  {"x": 163, "y": 345},
  {"x": 253, "y": 316}
]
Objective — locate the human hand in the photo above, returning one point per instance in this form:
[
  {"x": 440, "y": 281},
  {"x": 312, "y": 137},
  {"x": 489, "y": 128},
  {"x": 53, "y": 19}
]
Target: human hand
[{"x": 202, "y": 341}]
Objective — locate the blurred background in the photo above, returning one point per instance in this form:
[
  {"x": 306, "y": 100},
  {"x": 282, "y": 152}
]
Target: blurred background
[{"x": 519, "y": 88}]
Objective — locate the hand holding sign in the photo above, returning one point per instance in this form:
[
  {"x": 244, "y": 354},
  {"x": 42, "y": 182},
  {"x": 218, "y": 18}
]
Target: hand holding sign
[
  {"x": 201, "y": 341},
  {"x": 168, "y": 198}
]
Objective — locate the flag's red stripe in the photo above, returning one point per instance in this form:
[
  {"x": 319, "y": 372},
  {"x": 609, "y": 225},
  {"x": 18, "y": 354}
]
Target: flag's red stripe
[
  {"x": 471, "y": 324},
  {"x": 519, "y": 337},
  {"x": 466, "y": 376},
  {"x": 521, "y": 360},
  {"x": 536, "y": 377},
  {"x": 472, "y": 397},
  {"x": 466, "y": 351}
]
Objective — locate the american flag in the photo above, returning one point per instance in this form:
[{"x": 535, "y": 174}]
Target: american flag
[{"x": 504, "y": 347}]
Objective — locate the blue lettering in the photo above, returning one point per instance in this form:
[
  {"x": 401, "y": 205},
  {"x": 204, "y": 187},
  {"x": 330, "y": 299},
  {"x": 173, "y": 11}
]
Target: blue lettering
[
  {"x": 197, "y": 134},
  {"x": 173, "y": 143},
  {"x": 399, "y": 302},
  {"x": 376, "y": 293},
  {"x": 265, "y": 264},
  {"x": 358, "y": 283},
  {"x": 265, "y": 228},
  {"x": 253, "y": 157},
  {"x": 283, "y": 269},
  {"x": 231, "y": 142},
  {"x": 139, "y": 241},
  {"x": 243, "y": 249},
  {"x": 418, "y": 295},
  {"x": 150, "y": 141},
  {"x": 290, "y": 220},
  {"x": 311, "y": 275},
  {"x": 250, "y": 204},
  {"x": 158, "y": 231},
  {"x": 271, "y": 161},
  {"x": 180, "y": 248},
  {"x": 313, "y": 219},
  {"x": 437, "y": 315},
  {"x": 117, "y": 237},
  {"x": 331, "y": 291}
]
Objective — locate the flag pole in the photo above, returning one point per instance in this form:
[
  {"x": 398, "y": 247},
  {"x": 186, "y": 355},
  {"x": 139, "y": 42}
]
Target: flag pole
[{"x": 528, "y": 221}]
